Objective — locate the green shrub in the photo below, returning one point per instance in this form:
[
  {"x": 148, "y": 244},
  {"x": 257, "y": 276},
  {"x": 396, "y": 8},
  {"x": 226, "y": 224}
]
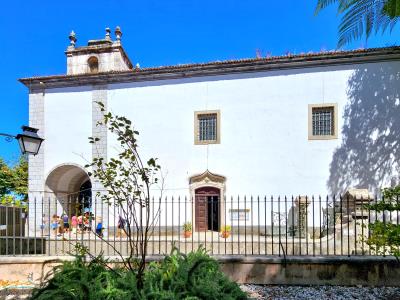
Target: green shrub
[
  {"x": 384, "y": 236},
  {"x": 88, "y": 280},
  {"x": 226, "y": 228},
  {"x": 187, "y": 226},
  {"x": 178, "y": 276},
  {"x": 192, "y": 276}
]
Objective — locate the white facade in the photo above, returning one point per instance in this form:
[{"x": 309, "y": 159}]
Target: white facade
[{"x": 264, "y": 144}]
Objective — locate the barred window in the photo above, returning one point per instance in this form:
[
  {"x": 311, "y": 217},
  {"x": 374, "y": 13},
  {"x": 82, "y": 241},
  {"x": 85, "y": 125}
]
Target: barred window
[
  {"x": 207, "y": 127},
  {"x": 322, "y": 121}
]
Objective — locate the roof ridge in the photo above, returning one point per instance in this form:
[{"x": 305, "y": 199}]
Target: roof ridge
[{"x": 284, "y": 60}]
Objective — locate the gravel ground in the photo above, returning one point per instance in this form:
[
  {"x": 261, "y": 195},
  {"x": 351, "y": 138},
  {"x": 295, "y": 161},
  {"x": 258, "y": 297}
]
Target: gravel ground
[
  {"x": 320, "y": 292},
  {"x": 271, "y": 292},
  {"x": 13, "y": 294}
]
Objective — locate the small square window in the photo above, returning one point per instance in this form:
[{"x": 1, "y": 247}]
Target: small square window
[
  {"x": 322, "y": 121},
  {"x": 207, "y": 127}
]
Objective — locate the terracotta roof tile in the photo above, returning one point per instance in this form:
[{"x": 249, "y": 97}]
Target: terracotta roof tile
[{"x": 301, "y": 58}]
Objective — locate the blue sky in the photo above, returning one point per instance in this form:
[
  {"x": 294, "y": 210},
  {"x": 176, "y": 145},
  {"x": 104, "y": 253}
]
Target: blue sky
[{"x": 34, "y": 36}]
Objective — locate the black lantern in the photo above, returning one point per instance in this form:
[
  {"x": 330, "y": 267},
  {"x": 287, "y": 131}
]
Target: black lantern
[{"x": 29, "y": 141}]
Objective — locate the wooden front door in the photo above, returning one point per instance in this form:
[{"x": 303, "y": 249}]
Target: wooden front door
[{"x": 207, "y": 209}]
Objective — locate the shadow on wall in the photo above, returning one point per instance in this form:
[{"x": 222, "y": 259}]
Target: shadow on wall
[{"x": 369, "y": 156}]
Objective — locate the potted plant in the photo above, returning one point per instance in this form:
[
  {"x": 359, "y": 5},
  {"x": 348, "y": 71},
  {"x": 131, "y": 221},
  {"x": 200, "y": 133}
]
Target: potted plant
[
  {"x": 187, "y": 230},
  {"x": 226, "y": 231}
]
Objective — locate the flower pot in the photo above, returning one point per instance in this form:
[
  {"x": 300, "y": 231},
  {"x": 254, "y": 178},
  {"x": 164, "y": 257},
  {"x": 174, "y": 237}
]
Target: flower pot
[
  {"x": 225, "y": 234},
  {"x": 187, "y": 234}
]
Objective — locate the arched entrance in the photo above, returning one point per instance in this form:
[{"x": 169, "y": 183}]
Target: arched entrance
[
  {"x": 85, "y": 196},
  {"x": 208, "y": 192},
  {"x": 207, "y": 204},
  {"x": 71, "y": 186}
]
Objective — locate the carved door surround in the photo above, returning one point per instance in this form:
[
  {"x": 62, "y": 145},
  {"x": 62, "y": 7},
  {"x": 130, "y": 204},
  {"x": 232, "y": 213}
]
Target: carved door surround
[{"x": 210, "y": 183}]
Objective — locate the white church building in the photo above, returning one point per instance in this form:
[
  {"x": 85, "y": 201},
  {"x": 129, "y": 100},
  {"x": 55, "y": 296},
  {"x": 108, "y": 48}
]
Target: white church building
[{"x": 298, "y": 124}]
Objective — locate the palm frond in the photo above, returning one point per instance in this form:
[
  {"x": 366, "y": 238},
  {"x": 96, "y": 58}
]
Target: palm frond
[
  {"x": 356, "y": 21},
  {"x": 383, "y": 22},
  {"x": 322, "y": 4},
  {"x": 393, "y": 22},
  {"x": 345, "y": 4},
  {"x": 362, "y": 17},
  {"x": 392, "y": 8}
]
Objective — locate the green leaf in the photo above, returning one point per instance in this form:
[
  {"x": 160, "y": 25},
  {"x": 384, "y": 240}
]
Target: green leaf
[{"x": 362, "y": 17}]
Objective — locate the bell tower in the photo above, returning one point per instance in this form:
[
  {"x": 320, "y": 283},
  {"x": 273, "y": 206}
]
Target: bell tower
[{"x": 104, "y": 55}]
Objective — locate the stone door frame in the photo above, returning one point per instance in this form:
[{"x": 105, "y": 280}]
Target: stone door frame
[{"x": 208, "y": 179}]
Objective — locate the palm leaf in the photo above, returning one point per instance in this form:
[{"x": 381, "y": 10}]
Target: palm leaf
[
  {"x": 362, "y": 17},
  {"x": 357, "y": 20},
  {"x": 321, "y": 4},
  {"x": 392, "y": 8}
]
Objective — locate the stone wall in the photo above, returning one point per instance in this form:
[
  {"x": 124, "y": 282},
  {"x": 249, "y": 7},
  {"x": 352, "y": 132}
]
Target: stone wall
[
  {"x": 36, "y": 163},
  {"x": 99, "y": 149},
  {"x": 347, "y": 271}
]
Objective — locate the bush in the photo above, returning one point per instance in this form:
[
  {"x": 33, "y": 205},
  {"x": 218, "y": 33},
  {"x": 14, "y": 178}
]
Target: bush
[
  {"x": 226, "y": 228},
  {"x": 192, "y": 276},
  {"x": 178, "y": 276},
  {"x": 384, "y": 236},
  {"x": 187, "y": 226},
  {"x": 88, "y": 280}
]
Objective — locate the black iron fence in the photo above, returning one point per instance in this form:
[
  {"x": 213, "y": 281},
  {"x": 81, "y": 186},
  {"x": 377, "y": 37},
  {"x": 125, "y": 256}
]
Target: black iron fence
[{"x": 247, "y": 225}]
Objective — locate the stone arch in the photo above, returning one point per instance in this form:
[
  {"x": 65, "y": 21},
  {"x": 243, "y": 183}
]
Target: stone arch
[
  {"x": 64, "y": 183},
  {"x": 199, "y": 182}
]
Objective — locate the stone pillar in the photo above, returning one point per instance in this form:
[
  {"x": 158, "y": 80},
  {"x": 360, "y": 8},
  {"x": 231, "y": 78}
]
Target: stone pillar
[
  {"x": 36, "y": 180},
  {"x": 354, "y": 207},
  {"x": 354, "y": 202},
  {"x": 99, "y": 149},
  {"x": 302, "y": 219}
]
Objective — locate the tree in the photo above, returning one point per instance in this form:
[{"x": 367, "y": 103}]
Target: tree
[
  {"x": 127, "y": 180},
  {"x": 20, "y": 178},
  {"x": 6, "y": 179},
  {"x": 14, "y": 180},
  {"x": 384, "y": 234},
  {"x": 363, "y": 17}
]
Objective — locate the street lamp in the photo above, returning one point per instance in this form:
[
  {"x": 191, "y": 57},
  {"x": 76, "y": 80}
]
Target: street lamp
[{"x": 29, "y": 141}]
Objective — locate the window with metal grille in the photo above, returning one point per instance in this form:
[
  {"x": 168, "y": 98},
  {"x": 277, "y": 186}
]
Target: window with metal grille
[
  {"x": 323, "y": 121},
  {"x": 207, "y": 127}
]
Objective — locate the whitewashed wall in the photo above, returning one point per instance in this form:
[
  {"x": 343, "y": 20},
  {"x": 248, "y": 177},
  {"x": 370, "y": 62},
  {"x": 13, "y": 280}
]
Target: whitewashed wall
[
  {"x": 264, "y": 147},
  {"x": 264, "y": 135},
  {"x": 68, "y": 124}
]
